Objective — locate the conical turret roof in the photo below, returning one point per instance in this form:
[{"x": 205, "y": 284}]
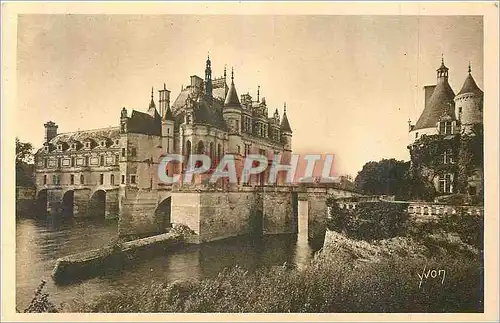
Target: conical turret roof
[
  {"x": 441, "y": 102},
  {"x": 232, "y": 96},
  {"x": 470, "y": 86},
  {"x": 285, "y": 125}
]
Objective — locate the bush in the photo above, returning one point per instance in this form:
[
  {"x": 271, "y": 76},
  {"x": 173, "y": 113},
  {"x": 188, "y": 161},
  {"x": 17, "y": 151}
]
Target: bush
[
  {"x": 40, "y": 302},
  {"x": 331, "y": 283},
  {"x": 369, "y": 220}
]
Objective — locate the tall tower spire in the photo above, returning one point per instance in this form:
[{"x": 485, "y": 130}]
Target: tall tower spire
[
  {"x": 258, "y": 93},
  {"x": 470, "y": 70},
  {"x": 208, "y": 76},
  {"x": 232, "y": 75},
  {"x": 152, "y": 103}
]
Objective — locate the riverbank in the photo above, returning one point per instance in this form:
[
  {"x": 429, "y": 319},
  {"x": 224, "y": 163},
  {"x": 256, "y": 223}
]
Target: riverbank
[{"x": 346, "y": 276}]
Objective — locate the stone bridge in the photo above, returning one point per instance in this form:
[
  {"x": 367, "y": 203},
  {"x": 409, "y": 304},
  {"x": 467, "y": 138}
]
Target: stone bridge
[{"x": 211, "y": 213}]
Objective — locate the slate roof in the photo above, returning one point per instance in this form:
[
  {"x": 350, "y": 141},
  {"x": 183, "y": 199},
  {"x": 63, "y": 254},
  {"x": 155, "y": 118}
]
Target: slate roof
[
  {"x": 140, "y": 122},
  {"x": 470, "y": 86},
  {"x": 232, "y": 96},
  {"x": 81, "y": 136},
  {"x": 441, "y": 102},
  {"x": 285, "y": 125}
]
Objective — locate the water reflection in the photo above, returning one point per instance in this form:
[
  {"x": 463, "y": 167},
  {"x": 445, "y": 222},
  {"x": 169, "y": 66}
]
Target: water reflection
[{"x": 40, "y": 243}]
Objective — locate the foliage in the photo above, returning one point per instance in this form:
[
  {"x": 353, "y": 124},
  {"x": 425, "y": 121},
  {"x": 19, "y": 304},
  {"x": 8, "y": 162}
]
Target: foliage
[
  {"x": 469, "y": 227},
  {"x": 182, "y": 229},
  {"x": 24, "y": 164},
  {"x": 40, "y": 302},
  {"x": 24, "y": 152},
  {"x": 369, "y": 220},
  {"x": 330, "y": 283},
  {"x": 470, "y": 156},
  {"x": 386, "y": 177}
]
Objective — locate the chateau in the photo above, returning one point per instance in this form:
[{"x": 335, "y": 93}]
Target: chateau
[
  {"x": 113, "y": 172},
  {"x": 446, "y": 142}
]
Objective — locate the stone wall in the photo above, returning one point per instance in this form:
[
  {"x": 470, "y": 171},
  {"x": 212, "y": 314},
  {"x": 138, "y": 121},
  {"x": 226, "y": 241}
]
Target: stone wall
[
  {"x": 280, "y": 212},
  {"x": 137, "y": 212},
  {"x": 219, "y": 215},
  {"x": 224, "y": 215}
]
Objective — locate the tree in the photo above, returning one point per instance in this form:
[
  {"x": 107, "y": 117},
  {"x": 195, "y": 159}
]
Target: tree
[
  {"x": 386, "y": 177},
  {"x": 24, "y": 163},
  {"x": 24, "y": 152}
]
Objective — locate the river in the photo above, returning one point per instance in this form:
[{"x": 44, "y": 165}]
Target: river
[{"x": 39, "y": 243}]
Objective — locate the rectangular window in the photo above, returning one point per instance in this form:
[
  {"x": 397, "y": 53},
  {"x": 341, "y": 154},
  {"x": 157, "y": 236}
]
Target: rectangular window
[
  {"x": 82, "y": 179},
  {"x": 45, "y": 162},
  {"x": 112, "y": 179},
  {"x": 445, "y": 183},
  {"x": 86, "y": 160},
  {"x": 44, "y": 179},
  {"x": 101, "y": 161},
  {"x": 123, "y": 179},
  {"x": 445, "y": 127},
  {"x": 59, "y": 161},
  {"x": 117, "y": 159},
  {"x": 133, "y": 152},
  {"x": 101, "y": 179},
  {"x": 72, "y": 179},
  {"x": 72, "y": 161},
  {"x": 123, "y": 152},
  {"x": 132, "y": 179}
]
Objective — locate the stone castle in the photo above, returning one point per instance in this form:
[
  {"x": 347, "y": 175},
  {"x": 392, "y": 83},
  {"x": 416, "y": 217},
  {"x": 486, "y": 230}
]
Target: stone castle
[
  {"x": 113, "y": 172},
  {"x": 438, "y": 141}
]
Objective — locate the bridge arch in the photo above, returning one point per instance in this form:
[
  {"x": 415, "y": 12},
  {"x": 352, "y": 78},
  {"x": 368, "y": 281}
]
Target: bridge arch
[
  {"x": 67, "y": 204},
  {"x": 41, "y": 203},
  {"x": 163, "y": 213},
  {"x": 97, "y": 204}
]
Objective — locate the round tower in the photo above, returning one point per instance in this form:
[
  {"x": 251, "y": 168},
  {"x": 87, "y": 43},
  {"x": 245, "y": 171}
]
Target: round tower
[
  {"x": 232, "y": 117},
  {"x": 469, "y": 103},
  {"x": 286, "y": 132}
]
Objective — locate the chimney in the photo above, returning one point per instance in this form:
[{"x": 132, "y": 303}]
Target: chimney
[
  {"x": 50, "y": 131},
  {"x": 428, "y": 90},
  {"x": 164, "y": 99}
]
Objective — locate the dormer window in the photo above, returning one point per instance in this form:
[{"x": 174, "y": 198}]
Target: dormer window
[
  {"x": 445, "y": 127},
  {"x": 103, "y": 143},
  {"x": 46, "y": 149},
  {"x": 73, "y": 146},
  {"x": 87, "y": 144},
  {"x": 59, "y": 147},
  {"x": 188, "y": 118},
  {"x": 116, "y": 142}
]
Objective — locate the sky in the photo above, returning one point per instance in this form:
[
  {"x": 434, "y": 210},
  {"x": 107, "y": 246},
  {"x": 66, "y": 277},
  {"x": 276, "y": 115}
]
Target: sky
[{"x": 350, "y": 83}]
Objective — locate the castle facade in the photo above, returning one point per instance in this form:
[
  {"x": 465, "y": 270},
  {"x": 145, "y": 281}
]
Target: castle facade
[{"x": 446, "y": 141}]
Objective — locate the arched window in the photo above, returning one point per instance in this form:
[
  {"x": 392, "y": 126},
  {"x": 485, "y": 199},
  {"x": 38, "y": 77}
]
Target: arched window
[
  {"x": 211, "y": 153},
  {"x": 201, "y": 147}
]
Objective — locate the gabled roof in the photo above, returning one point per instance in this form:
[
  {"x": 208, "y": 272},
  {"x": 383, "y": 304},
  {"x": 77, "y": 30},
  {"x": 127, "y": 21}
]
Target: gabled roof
[
  {"x": 140, "y": 122},
  {"x": 470, "y": 86},
  {"x": 441, "y": 102}
]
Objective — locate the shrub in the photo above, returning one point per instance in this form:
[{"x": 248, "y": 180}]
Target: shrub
[
  {"x": 331, "y": 283},
  {"x": 370, "y": 220},
  {"x": 40, "y": 302}
]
